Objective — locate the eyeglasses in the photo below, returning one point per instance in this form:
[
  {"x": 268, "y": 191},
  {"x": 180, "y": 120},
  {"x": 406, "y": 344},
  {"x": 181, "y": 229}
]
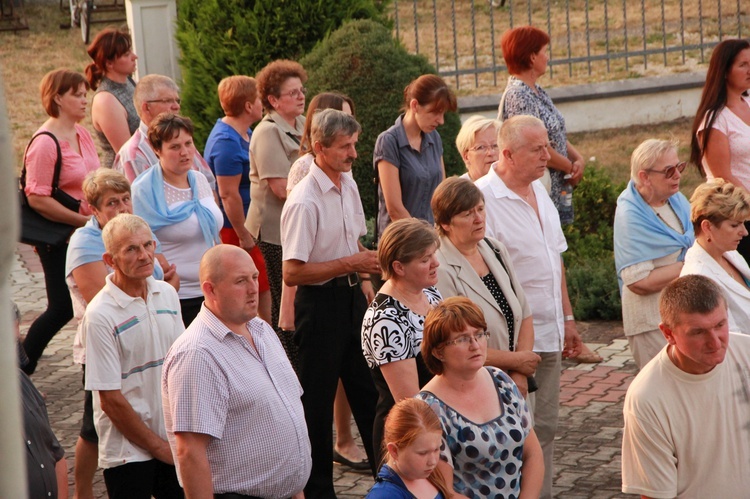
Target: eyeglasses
[
  {"x": 483, "y": 149},
  {"x": 465, "y": 340},
  {"x": 294, "y": 94},
  {"x": 669, "y": 171},
  {"x": 165, "y": 101}
]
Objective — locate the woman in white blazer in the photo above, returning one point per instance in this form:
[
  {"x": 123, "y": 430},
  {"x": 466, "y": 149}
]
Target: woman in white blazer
[
  {"x": 719, "y": 211},
  {"x": 480, "y": 269}
]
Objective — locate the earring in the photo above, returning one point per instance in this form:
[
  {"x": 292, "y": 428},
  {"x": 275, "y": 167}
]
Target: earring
[{"x": 709, "y": 239}]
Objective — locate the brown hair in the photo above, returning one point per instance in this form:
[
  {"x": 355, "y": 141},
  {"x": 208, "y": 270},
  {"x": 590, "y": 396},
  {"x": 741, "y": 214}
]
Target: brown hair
[
  {"x": 714, "y": 96},
  {"x": 102, "y": 180},
  {"x": 406, "y": 421},
  {"x": 107, "y": 46},
  {"x": 453, "y": 195},
  {"x": 519, "y": 44},
  {"x": 452, "y": 315},
  {"x": 273, "y": 75},
  {"x": 235, "y": 91},
  {"x": 716, "y": 201},
  {"x": 689, "y": 294},
  {"x": 58, "y": 82},
  {"x": 326, "y": 100},
  {"x": 403, "y": 241},
  {"x": 430, "y": 90},
  {"x": 167, "y": 126}
]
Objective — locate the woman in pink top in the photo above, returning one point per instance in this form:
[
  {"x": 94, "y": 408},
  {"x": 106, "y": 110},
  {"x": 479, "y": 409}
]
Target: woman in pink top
[
  {"x": 63, "y": 95},
  {"x": 721, "y": 130}
]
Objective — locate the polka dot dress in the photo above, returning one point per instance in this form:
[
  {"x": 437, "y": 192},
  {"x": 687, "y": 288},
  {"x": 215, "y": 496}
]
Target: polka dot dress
[{"x": 497, "y": 293}]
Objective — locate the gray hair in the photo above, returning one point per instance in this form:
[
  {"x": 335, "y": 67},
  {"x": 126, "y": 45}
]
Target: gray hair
[
  {"x": 469, "y": 130},
  {"x": 648, "y": 153},
  {"x": 122, "y": 222},
  {"x": 689, "y": 294},
  {"x": 147, "y": 88},
  {"x": 509, "y": 135},
  {"x": 327, "y": 124}
]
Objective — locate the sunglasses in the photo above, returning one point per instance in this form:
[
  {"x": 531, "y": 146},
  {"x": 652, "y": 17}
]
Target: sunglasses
[{"x": 669, "y": 171}]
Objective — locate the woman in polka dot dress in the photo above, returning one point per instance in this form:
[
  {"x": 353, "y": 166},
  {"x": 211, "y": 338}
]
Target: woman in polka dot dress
[{"x": 489, "y": 447}]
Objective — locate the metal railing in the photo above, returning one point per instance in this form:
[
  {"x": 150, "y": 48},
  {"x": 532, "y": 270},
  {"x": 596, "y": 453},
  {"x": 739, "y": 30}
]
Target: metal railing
[{"x": 599, "y": 39}]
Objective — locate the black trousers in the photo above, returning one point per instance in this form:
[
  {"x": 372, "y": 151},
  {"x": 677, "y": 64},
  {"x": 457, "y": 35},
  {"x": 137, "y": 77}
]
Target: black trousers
[
  {"x": 142, "y": 480},
  {"x": 329, "y": 324},
  {"x": 59, "y": 306}
]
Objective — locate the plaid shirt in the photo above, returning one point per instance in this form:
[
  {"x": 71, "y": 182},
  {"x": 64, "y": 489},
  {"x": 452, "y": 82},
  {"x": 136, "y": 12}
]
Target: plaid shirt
[{"x": 247, "y": 399}]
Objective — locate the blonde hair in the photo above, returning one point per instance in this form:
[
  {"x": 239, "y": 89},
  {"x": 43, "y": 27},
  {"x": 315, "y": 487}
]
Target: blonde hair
[
  {"x": 403, "y": 241},
  {"x": 716, "y": 201},
  {"x": 102, "y": 180},
  {"x": 648, "y": 153},
  {"x": 474, "y": 125}
]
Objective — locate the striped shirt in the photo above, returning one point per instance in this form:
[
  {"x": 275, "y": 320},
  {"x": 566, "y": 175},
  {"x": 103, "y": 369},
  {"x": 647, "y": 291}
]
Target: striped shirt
[
  {"x": 126, "y": 340},
  {"x": 247, "y": 399}
]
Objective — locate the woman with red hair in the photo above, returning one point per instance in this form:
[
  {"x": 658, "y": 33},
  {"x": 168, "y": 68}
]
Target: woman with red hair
[{"x": 525, "y": 50}]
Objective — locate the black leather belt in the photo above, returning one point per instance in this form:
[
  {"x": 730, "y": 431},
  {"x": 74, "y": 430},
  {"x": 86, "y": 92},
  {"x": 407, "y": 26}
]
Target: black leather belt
[{"x": 344, "y": 281}]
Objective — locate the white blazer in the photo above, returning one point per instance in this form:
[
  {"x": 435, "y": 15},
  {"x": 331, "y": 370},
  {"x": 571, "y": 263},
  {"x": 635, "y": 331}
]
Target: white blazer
[{"x": 698, "y": 261}]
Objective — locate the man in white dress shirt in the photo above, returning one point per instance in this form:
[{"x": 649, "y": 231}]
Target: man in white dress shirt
[{"x": 520, "y": 214}]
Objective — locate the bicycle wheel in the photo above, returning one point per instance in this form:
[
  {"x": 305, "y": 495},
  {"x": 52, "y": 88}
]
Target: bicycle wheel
[{"x": 86, "y": 8}]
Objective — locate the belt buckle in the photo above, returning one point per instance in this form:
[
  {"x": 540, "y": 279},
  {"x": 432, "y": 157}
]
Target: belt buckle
[{"x": 355, "y": 279}]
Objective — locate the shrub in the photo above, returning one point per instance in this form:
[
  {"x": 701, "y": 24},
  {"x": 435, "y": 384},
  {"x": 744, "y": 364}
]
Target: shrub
[
  {"x": 362, "y": 60},
  {"x": 218, "y": 38},
  {"x": 589, "y": 261}
]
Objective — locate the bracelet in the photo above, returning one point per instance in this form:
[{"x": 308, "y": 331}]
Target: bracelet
[{"x": 570, "y": 318}]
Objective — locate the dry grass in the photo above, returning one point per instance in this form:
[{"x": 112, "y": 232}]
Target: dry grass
[
  {"x": 26, "y": 56},
  {"x": 489, "y": 24}
]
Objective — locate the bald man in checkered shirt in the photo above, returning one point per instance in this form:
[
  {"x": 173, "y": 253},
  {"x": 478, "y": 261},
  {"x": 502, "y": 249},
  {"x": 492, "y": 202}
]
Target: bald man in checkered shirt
[
  {"x": 232, "y": 405},
  {"x": 321, "y": 224}
]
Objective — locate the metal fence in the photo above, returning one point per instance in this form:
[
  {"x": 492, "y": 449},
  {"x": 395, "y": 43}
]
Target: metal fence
[{"x": 592, "y": 39}]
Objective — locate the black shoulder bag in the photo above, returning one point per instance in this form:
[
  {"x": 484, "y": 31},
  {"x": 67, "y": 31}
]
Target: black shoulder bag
[{"x": 37, "y": 230}]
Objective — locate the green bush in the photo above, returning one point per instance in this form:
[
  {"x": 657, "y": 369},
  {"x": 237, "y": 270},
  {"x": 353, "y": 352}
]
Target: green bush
[
  {"x": 589, "y": 261},
  {"x": 362, "y": 60},
  {"x": 218, "y": 38}
]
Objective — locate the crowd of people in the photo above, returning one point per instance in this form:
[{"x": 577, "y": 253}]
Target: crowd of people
[{"x": 229, "y": 316}]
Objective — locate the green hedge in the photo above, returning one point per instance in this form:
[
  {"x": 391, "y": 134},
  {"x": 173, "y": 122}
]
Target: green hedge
[
  {"x": 589, "y": 261},
  {"x": 218, "y": 38},
  {"x": 362, "y": 60}
]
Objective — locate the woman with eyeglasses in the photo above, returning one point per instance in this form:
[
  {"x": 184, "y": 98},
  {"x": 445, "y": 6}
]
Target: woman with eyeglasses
[
  {"x": 526, "y": 53},
  {"x": 408, "y": 157},
  {"x": 274, "y": 146},
  {"x": 719, "y": 212},
  {"x": 477, "y": 144},
  {"x": 392, "y": 326},
  {"x": 652, "y": 232},
  {"x": 720, "y": 145},
  {"x": 489, "y": 446}
]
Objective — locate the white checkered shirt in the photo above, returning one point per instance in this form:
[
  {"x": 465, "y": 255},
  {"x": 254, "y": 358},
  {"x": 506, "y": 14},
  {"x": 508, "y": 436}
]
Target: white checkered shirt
[{"x": 247, "y": 400}]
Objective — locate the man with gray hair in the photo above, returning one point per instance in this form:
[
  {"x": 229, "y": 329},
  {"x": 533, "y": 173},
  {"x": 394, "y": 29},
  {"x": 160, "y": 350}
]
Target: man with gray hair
[
  {"x": 127, "y": 329},
  {"x": 687, "y": 413},
  {"x": 521, "y": 215},
  {"x": 321, "y": 224},
  {"x": 154, "y": 94}
]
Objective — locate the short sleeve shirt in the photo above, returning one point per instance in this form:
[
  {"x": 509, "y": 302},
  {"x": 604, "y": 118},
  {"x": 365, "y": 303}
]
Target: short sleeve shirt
[
  {"x": 486, "y": 457},
  {"x": 419, "y": 172},
  {"x": 40, "y": 165},
  {"x": 228, "y": 154}
]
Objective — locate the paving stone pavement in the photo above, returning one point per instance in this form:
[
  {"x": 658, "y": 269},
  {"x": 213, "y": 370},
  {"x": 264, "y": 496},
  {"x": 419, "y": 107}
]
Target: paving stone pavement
[{"x": 587, "y": 455}]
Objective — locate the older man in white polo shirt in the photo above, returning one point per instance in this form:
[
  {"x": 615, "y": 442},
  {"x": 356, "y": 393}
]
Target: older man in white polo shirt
[{"x": 521, "y": 215}]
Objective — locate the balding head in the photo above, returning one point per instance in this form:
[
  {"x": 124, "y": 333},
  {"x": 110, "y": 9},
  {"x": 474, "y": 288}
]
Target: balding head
[{"x": 229, "y": 281}]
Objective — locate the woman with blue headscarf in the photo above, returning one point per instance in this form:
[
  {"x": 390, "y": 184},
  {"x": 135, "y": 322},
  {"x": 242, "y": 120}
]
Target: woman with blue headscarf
[
  {"x": 652, "y": 233},
  {"x": 179, "y": 205}
]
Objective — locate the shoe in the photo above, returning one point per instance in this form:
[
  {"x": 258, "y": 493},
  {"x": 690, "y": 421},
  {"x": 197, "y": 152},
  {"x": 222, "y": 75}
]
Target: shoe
[
  {"x": 363, "y": 465},
  {"x": 588, "y": 358}
]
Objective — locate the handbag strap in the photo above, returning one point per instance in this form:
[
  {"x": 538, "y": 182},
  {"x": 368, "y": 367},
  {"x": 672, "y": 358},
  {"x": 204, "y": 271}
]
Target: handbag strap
[
  {"x": 502, "y": 263},
  {"x": 58, "y": 162}
]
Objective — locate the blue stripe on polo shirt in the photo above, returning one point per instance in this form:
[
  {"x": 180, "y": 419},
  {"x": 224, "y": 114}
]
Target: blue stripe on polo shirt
[
  {"x": 124, "y": 326},
  {"x": 166, "y": 311},
  {"x": 140, "y": 369}
]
